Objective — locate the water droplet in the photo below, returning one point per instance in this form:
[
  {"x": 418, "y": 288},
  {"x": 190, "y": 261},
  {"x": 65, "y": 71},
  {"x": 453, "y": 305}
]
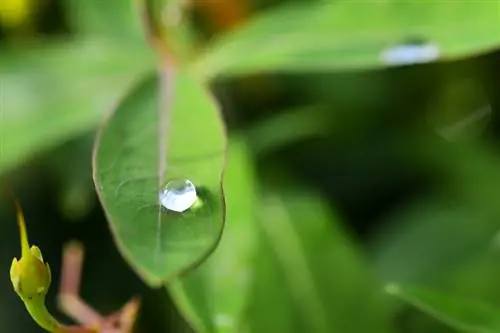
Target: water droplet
[
  {"x": 411, "y": 52},
  {"x": 179, "y": 195}
]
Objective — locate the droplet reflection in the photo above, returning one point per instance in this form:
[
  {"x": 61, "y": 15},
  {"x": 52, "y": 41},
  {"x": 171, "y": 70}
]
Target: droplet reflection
[
  {"x": 410, "y": 53},
  {"x": 178, "y": 195}
]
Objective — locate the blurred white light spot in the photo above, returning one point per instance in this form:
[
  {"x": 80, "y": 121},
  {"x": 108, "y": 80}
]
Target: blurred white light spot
[
  {"x": 392, "y": 289},
  {"x": 224, "y": 320},
  {"x": 410, "y": 53}
]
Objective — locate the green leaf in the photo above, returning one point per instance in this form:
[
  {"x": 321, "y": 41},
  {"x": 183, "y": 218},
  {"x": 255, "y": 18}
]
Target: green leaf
[
  {"x": 457, "y": 234},
  {"x": 114, "y": 18},
  {"x": 52, "y": 92},
  {"x": 76, "y": 193},
  {"x": 341, "y": 35},
  {"x": 309, "y": 276},
  {"x": 466, "y": 315},
  {"x": 214, "y": 296},
  {"x": 167, "y": 130},
  {"x": 287, "y": 127}
]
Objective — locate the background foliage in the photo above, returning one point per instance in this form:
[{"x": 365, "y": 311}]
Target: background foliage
[{"x": 362, "y": 160}]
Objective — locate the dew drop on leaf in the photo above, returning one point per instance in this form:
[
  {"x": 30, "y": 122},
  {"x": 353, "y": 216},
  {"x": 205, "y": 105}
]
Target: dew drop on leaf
[
  {"x": 409, "y": 53},
  {"x": 178, "y": 195},
  {"x": 163, "y": 189}
]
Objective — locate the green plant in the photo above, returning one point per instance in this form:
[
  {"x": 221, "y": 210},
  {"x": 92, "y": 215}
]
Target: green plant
[{"x": 251, "y": 247}]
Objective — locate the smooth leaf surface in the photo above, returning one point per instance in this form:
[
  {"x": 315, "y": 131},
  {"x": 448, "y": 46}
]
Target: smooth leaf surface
[
  {"x": 167, "y": 129},
  {"x": 435, "y": 235},
  {"x": 117, "y": 19},
  {"x": 309, "y": 273},
  {"x": 466, "y": 315},
  {"x": 287, "y": 127},
  {"x": 342, "y": 35},
  {"x": 214, "y": 296},
  {"x": 49, "y": 94}
]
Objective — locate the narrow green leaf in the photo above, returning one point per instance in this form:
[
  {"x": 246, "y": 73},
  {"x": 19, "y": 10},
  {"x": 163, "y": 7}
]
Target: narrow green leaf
[
  {"x": 457, "y": 234},
  {"x": 309, "y": 273},
  {"x": 466, "y": 315},
  {"x": 52, "y": 92},
  {"x": 214, "y": 296},
  {"x": 340, "y": 35},
  {"x": 166, "y": 132},
  {"x": 287, "y": 127}
]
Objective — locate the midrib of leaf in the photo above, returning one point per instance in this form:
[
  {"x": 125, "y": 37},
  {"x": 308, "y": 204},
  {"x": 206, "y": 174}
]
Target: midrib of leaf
[
  {"x": 165, "y": 101},
  {"x": 290, "y": 253}
]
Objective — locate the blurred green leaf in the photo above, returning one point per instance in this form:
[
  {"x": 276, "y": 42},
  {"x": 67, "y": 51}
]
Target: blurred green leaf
[
  {"x": 450, "y": 227},
  {"x": 473, "y": 168},
  {"x": 435, "y": 235},
  {"x": 461, "y": 111},
  {"x": 178, "y": 31},
  {"x": 340, "y": 35},
  {"x": 214, "y": 296},
  {"x": 117, "y": 19},
  {"x": 52, "y": 92},
  {"x": 466, "y": 315},
  {"x": 287, "y": 127},
  {"x": 76, "y": 192},
  {"x": 167, "y": 130},
  {"x": 309, "y": 277}
]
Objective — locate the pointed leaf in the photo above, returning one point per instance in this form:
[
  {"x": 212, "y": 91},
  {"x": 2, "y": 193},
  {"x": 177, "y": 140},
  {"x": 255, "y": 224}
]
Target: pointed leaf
[
  {"x": 466, "y": 315},
  {"x": 214, "y": 296},
  {"x": 340, "y": 35},
  {"x": 167, "y": 131},
  {"x": 309, "y": 273},
  {"x": 52, "y": 92},
  {"x": 456, "y": 233}
]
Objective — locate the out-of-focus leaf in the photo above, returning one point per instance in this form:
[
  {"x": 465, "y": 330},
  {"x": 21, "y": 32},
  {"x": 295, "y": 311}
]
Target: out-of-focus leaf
[
  {"x": 462, "y": 110},
  {"x": 49, "y": 93},
  {"x": 178, "y": 29},
  {"x": 333, "y": 35},
  {"x": 477, "y": 278},
  {"x": 288, "y": 127},
  {"x": 117, "y": 19},
  {"x": 75, "y": 188},
  {"x": 309, "y": 276},
  {"x": 434, "y": 235},
  {"x": 214, "y": 296},
  {"x": 167, "y": 131},
  {"x": 438, "y": 234},
  {"x": 475, "y": 178},
  {"x": 466, "y": 315}
]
